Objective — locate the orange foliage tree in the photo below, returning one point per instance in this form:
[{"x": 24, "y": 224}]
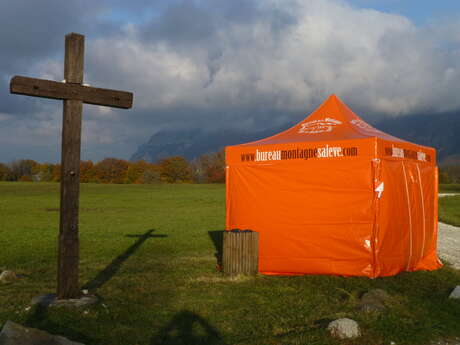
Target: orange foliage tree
[
  {"x": 142, "y": 172},
  {"x": 87, "y": 172},
  {"x": 57, "y": 173},
  {"x": 210, "y": 168},
  {"x": 4, "y": 172},
  {"x": 111, "y": 170},
  {"x": 175, "y": 169}
]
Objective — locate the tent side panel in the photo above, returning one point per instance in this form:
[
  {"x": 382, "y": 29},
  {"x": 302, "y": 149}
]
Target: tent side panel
[
  {"x": 405, "y": 240},
  {"x": 314, "y": 217},
  {"x": 392, "y": 237},
  {"x": 429, "y": 190}
]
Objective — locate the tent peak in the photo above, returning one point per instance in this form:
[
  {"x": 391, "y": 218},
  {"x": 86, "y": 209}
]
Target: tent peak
[
  {"x": 333, "y": 98},
  {"x": 332, "y": 120}
]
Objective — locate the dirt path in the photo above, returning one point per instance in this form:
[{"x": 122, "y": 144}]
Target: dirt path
[{"x": 449, "y": 244}]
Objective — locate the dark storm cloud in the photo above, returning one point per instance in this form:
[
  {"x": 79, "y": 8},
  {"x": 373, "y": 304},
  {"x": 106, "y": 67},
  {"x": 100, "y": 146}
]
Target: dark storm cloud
[{"x": 33, "y": 29}]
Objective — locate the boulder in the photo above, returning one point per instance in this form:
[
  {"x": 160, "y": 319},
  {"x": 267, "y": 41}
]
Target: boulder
[
  {"x": 374, "y": 300},
  {"x": 344, "y": 328},
  {"x": 50, "y": 300},
  {"x": 455, "y": 293},
  {"x": 15, "y": 334},
  {"x": 44, "y": 300},
  {"x": 8, "y": 276}
]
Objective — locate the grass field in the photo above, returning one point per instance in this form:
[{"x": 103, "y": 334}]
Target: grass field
[
  {"x": 449, "y": 207},
  {"x": 147, "y": 251},
  {"x": 449, "y": 210}
]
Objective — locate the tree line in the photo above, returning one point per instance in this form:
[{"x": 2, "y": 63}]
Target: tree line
[
  {"x": 449, "y": 174},
  {"x": 208, "y": 168}
]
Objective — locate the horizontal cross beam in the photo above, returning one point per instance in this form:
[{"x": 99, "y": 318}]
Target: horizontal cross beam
[{"x": 56, "y": 90}]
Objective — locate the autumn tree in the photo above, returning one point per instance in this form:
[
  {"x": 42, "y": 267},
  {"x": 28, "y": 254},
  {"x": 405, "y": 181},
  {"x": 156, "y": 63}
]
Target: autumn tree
[
  {"x": 57, "y": 173},
  {"x": 210, "y": 168},
  {"x": 142, "y": 172},
  {"x": 43, "y": 172},
  {"x": 443, "y": 176},
  {"x": 175, "y": 169},
  {"x": 87, "y": 172},
  {"x": 151, "y": 175},
  {"x": 136, "y": 171},
  {"x": 5, "y": 172},
  {"x": 453, "y": 173},
  {"x": 111, "y": 170},
  {"x": 22, "y": 167}
]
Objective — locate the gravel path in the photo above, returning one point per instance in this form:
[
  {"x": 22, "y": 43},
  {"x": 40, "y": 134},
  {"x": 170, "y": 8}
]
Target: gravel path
[
  {"x": 449, "y": 244},
  {"x": 442, "y": 195}
]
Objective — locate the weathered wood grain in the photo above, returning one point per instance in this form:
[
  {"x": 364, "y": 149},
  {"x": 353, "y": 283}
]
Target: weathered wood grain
[
  {"x": 69, "y": 242},
  {"x": 57, "y": 90},
  {"x": 240, "y": 253},
  {"x": 74, "y": 58}
]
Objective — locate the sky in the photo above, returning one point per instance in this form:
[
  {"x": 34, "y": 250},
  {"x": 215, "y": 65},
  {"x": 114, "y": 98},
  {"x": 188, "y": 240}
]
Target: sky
[{"x": 217, "y": 64}]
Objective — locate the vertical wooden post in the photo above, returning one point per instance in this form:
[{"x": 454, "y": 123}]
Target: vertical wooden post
[
  {"x": 240, "y": 252},
  {"x": 69, "y": 245}
]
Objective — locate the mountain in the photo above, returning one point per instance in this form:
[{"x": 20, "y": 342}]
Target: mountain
[
  {"x": 440, "y": 131},
  {"x": 193, "y": 143}
]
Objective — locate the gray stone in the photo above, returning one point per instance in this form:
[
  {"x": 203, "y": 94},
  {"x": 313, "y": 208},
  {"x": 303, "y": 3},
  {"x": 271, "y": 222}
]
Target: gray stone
[
  {"x": 374, "y": 300},
  {"x": 455, "y": 293},
  {"x": 50, "y": 300},
  {"x": 15, "y": 334},
  {"x": 8, "y": 276},
  {"x": 76, "y": 302},
  {"x": 344, "y": 328},
  {"x": 44, "y": 300}
]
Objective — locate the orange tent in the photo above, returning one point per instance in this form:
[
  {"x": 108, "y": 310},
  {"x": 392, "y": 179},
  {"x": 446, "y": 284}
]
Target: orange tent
[{"x": 334, "y": 195}]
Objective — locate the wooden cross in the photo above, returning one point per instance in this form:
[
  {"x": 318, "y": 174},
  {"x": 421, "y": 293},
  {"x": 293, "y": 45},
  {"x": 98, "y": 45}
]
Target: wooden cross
[{"x": 74, "y": 93}]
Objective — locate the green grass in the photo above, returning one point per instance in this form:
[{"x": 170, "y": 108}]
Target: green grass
[
  {"x": 449, "y": 210},
  {"x": 165, "y": 288}
]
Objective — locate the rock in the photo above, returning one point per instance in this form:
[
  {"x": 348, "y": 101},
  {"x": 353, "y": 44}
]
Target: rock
[
  {"x": 50, "y": 300},
  {"x": 344, "y": 328},
  {"x": 374, "y": 300},
  {"x": 455, "y": 293},
  {"x": 76, "y": 302},
  {"x": 8, "y": 276},
  {"x": 44, "y": 300},
  {"x": 15, "y": 334}
]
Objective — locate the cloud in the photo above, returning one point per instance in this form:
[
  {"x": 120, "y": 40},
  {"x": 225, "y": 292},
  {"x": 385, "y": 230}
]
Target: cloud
[
  {"x": 284, "y": 57},
  {"x": 248, "y": 64}
]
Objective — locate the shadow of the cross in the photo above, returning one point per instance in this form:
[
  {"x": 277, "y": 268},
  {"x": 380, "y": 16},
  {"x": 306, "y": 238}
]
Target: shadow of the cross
[{"x": 107, "y": 273}]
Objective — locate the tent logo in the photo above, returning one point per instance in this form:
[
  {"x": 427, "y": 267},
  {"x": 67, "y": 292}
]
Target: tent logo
[
  {"x": 319, "y": 126},
  {"x": 363, "y": 125}
]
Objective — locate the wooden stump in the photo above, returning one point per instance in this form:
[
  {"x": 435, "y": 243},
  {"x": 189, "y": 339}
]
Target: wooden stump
[{"x": 241, "y": 252}]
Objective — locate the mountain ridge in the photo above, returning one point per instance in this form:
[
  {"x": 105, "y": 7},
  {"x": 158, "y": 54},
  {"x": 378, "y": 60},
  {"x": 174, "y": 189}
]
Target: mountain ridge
[{"x": 439, "y": 131}]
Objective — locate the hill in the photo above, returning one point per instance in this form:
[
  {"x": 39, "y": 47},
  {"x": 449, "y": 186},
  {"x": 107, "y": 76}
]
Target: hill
[{"x": 439, "y": 131}]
